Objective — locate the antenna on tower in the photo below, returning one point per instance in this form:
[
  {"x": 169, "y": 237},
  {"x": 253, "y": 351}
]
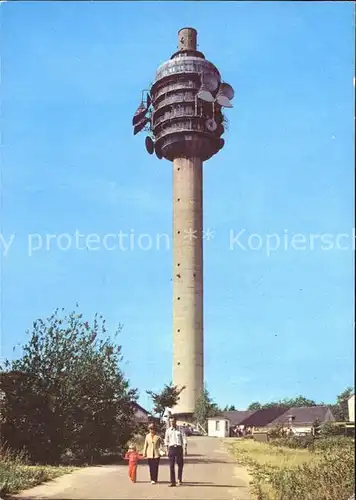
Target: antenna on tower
[
  {"x": 211, "y": 91},
  {"x": 209, "y": 84},
  {"x": 211, "y": 124},
  {"x": 225, "y": 95},
  {"x": 139, "y": 120},
  {"x": 150, "y": 147},
  {"x": 141, "y": 125}
]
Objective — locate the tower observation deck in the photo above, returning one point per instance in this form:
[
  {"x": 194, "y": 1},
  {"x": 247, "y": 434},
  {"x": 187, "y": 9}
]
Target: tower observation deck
[{"x": 182, "y": 113}]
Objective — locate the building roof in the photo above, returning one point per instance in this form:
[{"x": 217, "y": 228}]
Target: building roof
[
  {"x": 141, "y": 415},
  {"x": 139, "y": 407},
  {"x": 238, "y": 416},
  {"x": 304, "y": 415},
  {"x": 263, "y": 417},
  {"x": 270, "y": 417}
]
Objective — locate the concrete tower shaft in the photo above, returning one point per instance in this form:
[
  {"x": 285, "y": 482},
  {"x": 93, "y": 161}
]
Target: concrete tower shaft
[
  {"x": 188, "y": 349},
  {"x": 182, "y": 131},
  {"x": 186, "y": 125}
]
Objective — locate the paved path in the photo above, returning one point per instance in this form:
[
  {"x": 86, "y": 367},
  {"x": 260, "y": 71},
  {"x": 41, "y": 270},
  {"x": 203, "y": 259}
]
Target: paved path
[{"x": 209, "y": 473}]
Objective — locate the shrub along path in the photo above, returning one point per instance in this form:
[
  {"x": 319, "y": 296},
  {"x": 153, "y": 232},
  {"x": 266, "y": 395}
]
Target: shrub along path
[
  {"x": 209, "y": 473},
  {"x": 324, "y": 471}
]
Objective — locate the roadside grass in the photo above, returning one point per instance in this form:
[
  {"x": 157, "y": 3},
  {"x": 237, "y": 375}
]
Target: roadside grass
[
  {"x": 17, "y": 475},
  {"x": 282, "y": 473},
  {"x": 254, "y": 453}
]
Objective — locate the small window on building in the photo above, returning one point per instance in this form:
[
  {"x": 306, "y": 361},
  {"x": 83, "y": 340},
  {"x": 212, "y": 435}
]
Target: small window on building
[{"x": 217, "y": 425}]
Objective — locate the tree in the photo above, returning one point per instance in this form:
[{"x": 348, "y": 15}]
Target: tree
[
  {"x": 254, "y": 406},
  {"x": 167, "y": 398},
  {"x": 298, "y": 402},
  {"x": 284, "y": 403},
  {"x": 67, "y": 391},
  {"x": 301, "y": 401},
  {"x": 340, "y": 410},
  {"x": 205, "y": 408},
  {"x": 330, "y": 429}
]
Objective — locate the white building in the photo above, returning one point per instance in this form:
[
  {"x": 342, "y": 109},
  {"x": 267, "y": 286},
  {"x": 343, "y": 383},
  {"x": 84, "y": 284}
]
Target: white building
[
  {"x": 351, "y": 404},
  {"x": 218, "y": 427}
]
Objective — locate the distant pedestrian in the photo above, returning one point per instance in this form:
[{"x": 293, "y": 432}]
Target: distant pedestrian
[
  {"x": 133, "y": 457},
  {"x": 174, "y": 441},
  {"x": 184, "y": 430},
  {"x": 151, "y": 450}
]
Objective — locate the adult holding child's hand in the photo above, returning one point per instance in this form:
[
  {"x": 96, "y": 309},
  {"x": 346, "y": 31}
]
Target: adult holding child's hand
[{"x": 151, "y": 450}]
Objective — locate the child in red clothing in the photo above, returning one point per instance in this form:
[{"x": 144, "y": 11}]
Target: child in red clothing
[{"x": 133, "y": 457}]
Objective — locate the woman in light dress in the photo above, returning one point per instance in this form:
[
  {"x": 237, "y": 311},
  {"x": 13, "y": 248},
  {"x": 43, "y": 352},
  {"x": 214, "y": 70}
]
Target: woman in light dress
[{"x": 152, "y": 450}]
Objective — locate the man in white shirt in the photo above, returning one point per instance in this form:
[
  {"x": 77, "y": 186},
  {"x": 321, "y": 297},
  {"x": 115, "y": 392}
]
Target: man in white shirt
[{"x": 175, "y": 441}]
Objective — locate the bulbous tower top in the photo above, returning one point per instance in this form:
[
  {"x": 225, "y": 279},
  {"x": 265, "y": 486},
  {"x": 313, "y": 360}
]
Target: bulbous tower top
[{"x": 186, "y": 101}]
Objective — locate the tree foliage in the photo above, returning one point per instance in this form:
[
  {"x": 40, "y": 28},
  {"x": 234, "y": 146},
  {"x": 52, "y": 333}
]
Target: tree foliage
[
  {"x": 328, "y": 429},
  {"x": 205, "y": 408},
  {"x": 167, "y": 398},
  {"x": 67, "y": 391},
  {"x": 340, "y": 409},
  {"x": 284, "y": 403},
  {"x": 229, "y": 408},
  {"x": 254, "y": 406}
]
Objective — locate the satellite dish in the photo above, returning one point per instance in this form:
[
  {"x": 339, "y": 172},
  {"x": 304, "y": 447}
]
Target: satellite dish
[
  {"x": 158, "y": 152},
  {"x": 225, "y": 95},
  {"x": 223, "y": 101},
  {"x": 210, "y": 81},
  {"x": 205, "y": 95},
  {"x": 150, "y": 147},
  {"x": 141, "y": 125},
  {"x": 139, "y": 115},
  {"x": 211, "y": 125},
  {"x": 226, "y": 90}
]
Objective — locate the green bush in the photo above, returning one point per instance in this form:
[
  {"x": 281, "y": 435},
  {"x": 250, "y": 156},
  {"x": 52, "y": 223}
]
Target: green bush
[
  {"x": 330, "y": 429},
  {"x": 277, "y": 432},
  {"x": 284, "y": 473},
  {"x": 311, "y": 443},
  {"x": 332, "y": 442},
  {"x": 67, "y": 392},
  {"x": 330, "y": 478},
  {"x": 294, "y": 442}
]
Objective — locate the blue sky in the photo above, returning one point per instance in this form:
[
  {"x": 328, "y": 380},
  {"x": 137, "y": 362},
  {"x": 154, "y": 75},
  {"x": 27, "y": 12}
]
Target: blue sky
[{"x": 276, "y": 325}]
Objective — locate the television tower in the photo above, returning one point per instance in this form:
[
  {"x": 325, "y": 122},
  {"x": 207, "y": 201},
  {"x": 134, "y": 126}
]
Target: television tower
[{"x": 182, "y": 113}]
